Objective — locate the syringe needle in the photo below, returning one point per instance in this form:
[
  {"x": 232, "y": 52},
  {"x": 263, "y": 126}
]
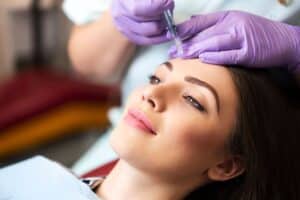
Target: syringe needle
[{"x": 172, "y": 29}]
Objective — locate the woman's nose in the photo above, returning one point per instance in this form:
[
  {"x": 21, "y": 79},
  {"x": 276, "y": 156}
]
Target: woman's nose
[{"x": 153, "y": 97}]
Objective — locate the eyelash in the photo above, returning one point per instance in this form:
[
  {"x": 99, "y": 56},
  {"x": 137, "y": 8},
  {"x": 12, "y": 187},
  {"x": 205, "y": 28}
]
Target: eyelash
[
  {"x": 154, "y": 80},
  {"x": 193, "y": 102}
]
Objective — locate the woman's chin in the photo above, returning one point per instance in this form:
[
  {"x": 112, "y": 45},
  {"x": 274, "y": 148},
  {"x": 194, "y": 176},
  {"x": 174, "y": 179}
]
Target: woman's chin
[
  {"x": 121, "y": 143},
  {"x": 130, "y": 145}
]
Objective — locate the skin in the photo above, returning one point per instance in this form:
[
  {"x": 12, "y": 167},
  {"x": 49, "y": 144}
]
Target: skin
[
  {"x": 189, "y": 147},
  {"x": 87, "y": 49}
]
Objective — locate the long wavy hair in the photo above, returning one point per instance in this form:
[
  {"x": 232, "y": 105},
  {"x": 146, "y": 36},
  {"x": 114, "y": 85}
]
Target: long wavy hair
[
  {"x": 267, "y": 136},
  {"x": 283, "y": 2}
]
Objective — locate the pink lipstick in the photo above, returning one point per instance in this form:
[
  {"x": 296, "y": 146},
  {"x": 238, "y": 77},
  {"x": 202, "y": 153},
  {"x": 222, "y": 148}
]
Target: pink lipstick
[{"x": 139, "y": 120}]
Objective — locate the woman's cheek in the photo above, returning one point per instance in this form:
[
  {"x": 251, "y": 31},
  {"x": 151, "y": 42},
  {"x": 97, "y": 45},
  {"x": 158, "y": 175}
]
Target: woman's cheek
[
  {"x": 134, "y": 98},
  {"x": 191, "y": 130}
]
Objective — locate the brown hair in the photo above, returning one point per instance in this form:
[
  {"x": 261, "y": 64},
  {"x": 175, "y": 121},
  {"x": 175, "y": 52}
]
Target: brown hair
[
  {"x": 283, "y": 2},
  {"x": 267, "y": 136}
]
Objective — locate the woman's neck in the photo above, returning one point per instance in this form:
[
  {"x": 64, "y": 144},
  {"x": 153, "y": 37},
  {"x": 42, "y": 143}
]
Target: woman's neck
[{"x": 127, "y": 182}]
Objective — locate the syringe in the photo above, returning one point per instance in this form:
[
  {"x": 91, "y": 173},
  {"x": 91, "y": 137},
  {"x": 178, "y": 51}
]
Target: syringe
[{"x": 172, "y": 29}]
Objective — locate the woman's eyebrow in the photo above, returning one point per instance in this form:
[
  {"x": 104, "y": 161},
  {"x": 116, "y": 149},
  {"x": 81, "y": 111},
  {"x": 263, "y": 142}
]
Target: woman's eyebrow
[
  {"x": 196, "y": 81},
  {"x": 168, "y": 65}
]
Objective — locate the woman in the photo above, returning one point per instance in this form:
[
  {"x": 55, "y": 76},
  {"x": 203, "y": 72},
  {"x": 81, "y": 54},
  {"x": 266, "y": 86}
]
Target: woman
[
  {"x": 232, "y": 133},
  {"x": 196, "y": 131}
]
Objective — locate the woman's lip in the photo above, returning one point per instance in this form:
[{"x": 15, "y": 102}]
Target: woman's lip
[{"x": 139, "y": 120}]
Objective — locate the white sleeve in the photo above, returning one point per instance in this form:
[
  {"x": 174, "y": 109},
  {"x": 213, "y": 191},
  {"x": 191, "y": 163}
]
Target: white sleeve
[
  {"x": 84, "y": 11},
  {"x": 39, "y": 178}
]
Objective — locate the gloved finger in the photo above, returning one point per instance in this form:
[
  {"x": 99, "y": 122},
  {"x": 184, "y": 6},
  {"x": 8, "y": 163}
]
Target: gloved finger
[
  {"x": 193, "y": 48},
  {"x": 203, "y": 35},
  {"x": 189, "y": 42},
  {"x": 143, "y": 40},
  {"x": 230, "y": 57},
  {"x": 143, "y": 28},
  {"x": 121, "y": 8},
  {"x": 215, "y": 43},
  {"x": 207, "y": 33},
  {"x": 150, "y": 9},
  {"x": 172, "y": 52},
  {"x": 198, "y": 23}
]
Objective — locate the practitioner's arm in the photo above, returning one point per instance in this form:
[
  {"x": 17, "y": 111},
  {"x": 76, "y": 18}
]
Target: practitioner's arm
[{"x": 98, "y": 50}]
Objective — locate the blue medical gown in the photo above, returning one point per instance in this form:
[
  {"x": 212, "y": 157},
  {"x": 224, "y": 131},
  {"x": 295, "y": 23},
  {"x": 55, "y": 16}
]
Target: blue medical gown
[{"x": 39, "y": 178}]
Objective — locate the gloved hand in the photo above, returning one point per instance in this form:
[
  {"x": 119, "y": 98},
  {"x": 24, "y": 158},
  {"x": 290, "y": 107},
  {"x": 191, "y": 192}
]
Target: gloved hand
[
  {"x": 235, "y": 37},
  {"x": 142, "y": 21}
]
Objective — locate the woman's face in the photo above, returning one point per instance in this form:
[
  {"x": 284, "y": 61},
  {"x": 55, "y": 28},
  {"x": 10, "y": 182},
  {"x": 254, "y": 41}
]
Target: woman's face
[{"x": 180, "y": 122}]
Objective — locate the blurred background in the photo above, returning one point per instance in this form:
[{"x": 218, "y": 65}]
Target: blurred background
[{"x": 46, "y": 108}]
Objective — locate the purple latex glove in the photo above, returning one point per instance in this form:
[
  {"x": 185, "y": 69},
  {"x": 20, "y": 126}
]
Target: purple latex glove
[
  {"x": 235, "y": 37},
  {"x": 142, "y": 21}
]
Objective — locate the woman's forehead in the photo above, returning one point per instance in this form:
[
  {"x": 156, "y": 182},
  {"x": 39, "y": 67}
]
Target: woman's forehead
[
  {"x": 219, "y": 77},
  {"x": 215, "y": 75}
]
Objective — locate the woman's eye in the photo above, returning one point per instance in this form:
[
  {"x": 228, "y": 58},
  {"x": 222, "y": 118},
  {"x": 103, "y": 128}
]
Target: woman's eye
[
  {"x": 154, "y": 80},
  {"x": 193, "y": 102}
]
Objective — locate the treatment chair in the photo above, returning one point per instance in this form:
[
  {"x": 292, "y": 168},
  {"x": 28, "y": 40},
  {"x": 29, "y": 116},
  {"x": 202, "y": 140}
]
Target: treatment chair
[
  {"x": 102, "y": 170},
  {"x": 38, "y": 107}
]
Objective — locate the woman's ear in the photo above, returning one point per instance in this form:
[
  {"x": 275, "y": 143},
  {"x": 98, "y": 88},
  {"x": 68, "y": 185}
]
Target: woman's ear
[{"x": 226, "y": 170}]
